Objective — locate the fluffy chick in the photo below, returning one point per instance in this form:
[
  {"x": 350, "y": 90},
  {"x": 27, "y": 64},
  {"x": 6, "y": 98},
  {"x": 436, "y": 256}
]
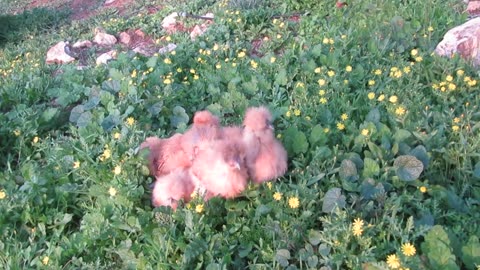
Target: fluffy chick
[
  {"x": 171, "y": 188},
  {"x": 166, "y": 155},
  {"x": 219, "y": 168},
  {"x": 205, "y": 127},
  {"x": 266, "y": 158}
]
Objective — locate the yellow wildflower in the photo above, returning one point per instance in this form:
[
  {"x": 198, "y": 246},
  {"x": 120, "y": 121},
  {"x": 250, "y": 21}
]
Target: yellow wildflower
[
  {"x": 117, "y": 135},
  {"x": 456, "y": 120},
  {"x": 269, "y": 185},
  {"x": 393, "y": 99},
  {"x": 414, "y": 52},
  {"x": 326, "y": 130},
  {"x": 408, "y": 249},
  {"x": 199, "y": 208},
  {"x": 107, "y": 153},
  {"x": 430, "y": 29},
  {"x": 117, "y": 170},
  {"x": 452, "y": 86},
  {"x": 325, "y": 40},
  {"x": 35, "y": 139},
  {"x": 45, "y": 260},
  {"x": 76, "y": 164},
  {"x": 277, "y": 196},
  {"x": 460, "y": 72},
  {"x": 112, "y": 191},
  {"x": 134, "y": 73},
  {"x": 472, "y": 83},
  {"x": 419, "y": 59},
  {"x": 323, "y": 100},
  {"x": 371, "y": 82},
  {"x": 449, "y": 78},
  {"x": 393, "y": 262},
  {"x": 381, "y": 97},
  {"x": 3, "y": 194},
  {"x": 167, "y": 61},
  {"x": 400, "y": 110},
  {"x": 331, "y": 73},
  {"x": 423, "y": 189},
  {"x": 455, "y": 128},
  {"x": 273, "y": 59},
  {"x": 344, "y": 116},
  {"x": 288, "y": 113},
  {"x": 348, "y": 69},
  {"x": 218, "y": 66},
  {"x": 317, "y": 70},
  {"x": 130, "y": 121},
  {"x": 297, "y": 112},
  {"x": 322, "y": 82},
  {"x": 17, "y": 132},
  {"x": 196, "y": 77},
  {"x": 279, "y": 36},
  {"x": 407, "y": 69},
  {"x": 321, "y": 92},
  {"x": 167, "y": 81},
  {"x": 293, "y": 202},
  {"x": 378, "y": 72},
  {"x": 365, "y": 132},
  {"x": 371, "y": 95},
  {"x": 340, "y": 126}
]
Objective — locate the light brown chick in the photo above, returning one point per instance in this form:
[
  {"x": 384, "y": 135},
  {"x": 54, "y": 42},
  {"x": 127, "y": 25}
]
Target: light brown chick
[
  {"x": 166, "y": 155},
  {"x": 266, "y": 158},
  {"x": 171, "y": 188},
  {"x": 220, "y": 169},
  {"x": 205, "y": 127}
]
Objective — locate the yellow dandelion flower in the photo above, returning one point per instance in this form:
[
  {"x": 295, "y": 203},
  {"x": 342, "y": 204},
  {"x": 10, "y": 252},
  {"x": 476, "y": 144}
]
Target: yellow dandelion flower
[
  {"x": 449, "y": 78},
  {"x": 107, "y": 153},
  {"x": 196, "y": 77},
  {"x": 293, "y": 202},
  {"x": 269, "y": 185},
  {"x": 381, "y": 97},
  {"x": 300, "y": 85},
  {"x": 414, "y": 52},
  {"x": 35, "y": 139},
  {"x": 193, "y": 71},
  {"x": 323, "y": 100},
  {"x": 348, "y": 69},
  {"x": 199, "y": 208},
  {"x": 407, "y": 69},
  {"x": 419, "y": 59},
  {"x": 3, "y": 194},
  {"x": 345, "y": 81},
  {"x": 279, "y": 36},
  {"x": 456, "y": 120},
  {"x": 45, "y": 260},
  {"x": 234, "y": 64},
  {"x": 117, "y": 170},
  {"x": 326, "y": 130},
  {"x": 452, "y": 86},
  {"x": 378, "y": 72},
  {"x": 460, "y": 72},
  {"x": 130, "y": 121},
  {"x": 371, "y": 82},
  {"x": 112, "y": 191},
  {"x": 167, "y": 81},
  {"x": 393, "y": 262},
  {"x": 393, "y": 99},
  {"x": 17, "y": 132},
  {"x": 308, "y": 118},
  {"x": 400, "y": 110},
  {"x": 455, "y": 128},
  {"x": 167, "y": 61},
  {"x": 117, "y": 135},
  {"x": 343, "y": 36},
  {"x": 321, "y": 92},
  {"x": 317, "y": 70},
  {"x": 134, "y": 73},
  {"x": 76, "y": 164},
  {"x": 423, "y": 189},
  {"x": 472, "y": 83},
  {"x": 357, "y": 231},
  {"x": 430, "y": 29},
  {"x": 331, "y": 73},
  {"x": 358, "y": 223},
  {"x": 340, "y": 126},
  {"x": 168, "y": 38},
  {"x": 325, "y": 40},
  {"x": 435, "y": 86},
  {"x": 331, "y": 41},
  {"x": 273, "y": 59},
  {"x": 344, "y": 117},
  {"x": 408, "y": 249},
  {"x": 288, "y": 113},
  {"x": 277, "y": 196},
  {"x": 371, "y": 95},
  {"x": 364, "y": 132},
  {"x": 218, "y": 66},
  {"x": 297, "y": 112},
  {"x": 321, "y": 82}
]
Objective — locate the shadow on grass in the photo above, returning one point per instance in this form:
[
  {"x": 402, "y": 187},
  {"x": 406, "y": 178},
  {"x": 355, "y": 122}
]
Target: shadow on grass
[{"x": 14, "y": 28}]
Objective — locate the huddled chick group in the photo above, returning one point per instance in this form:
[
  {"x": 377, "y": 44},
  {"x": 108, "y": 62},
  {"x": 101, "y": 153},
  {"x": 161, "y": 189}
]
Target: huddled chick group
[{"x": 215, "y": 160}]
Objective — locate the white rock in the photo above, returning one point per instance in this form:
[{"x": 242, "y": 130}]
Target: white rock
[
  {"x": 57, "y": 54},
  {"x": 82, "y": 44},
  {"x": 170, "y": 47},
  {"x": 104, "y": 39},
  {"x": 463, "y": 40},
  {"x": 170, "y": 21},
  {"x": 105, "y": 57}
]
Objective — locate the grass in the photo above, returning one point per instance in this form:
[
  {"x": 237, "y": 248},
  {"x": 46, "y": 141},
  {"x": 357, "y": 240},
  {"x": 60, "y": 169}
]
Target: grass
[{"x": 382, "y": 137}]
